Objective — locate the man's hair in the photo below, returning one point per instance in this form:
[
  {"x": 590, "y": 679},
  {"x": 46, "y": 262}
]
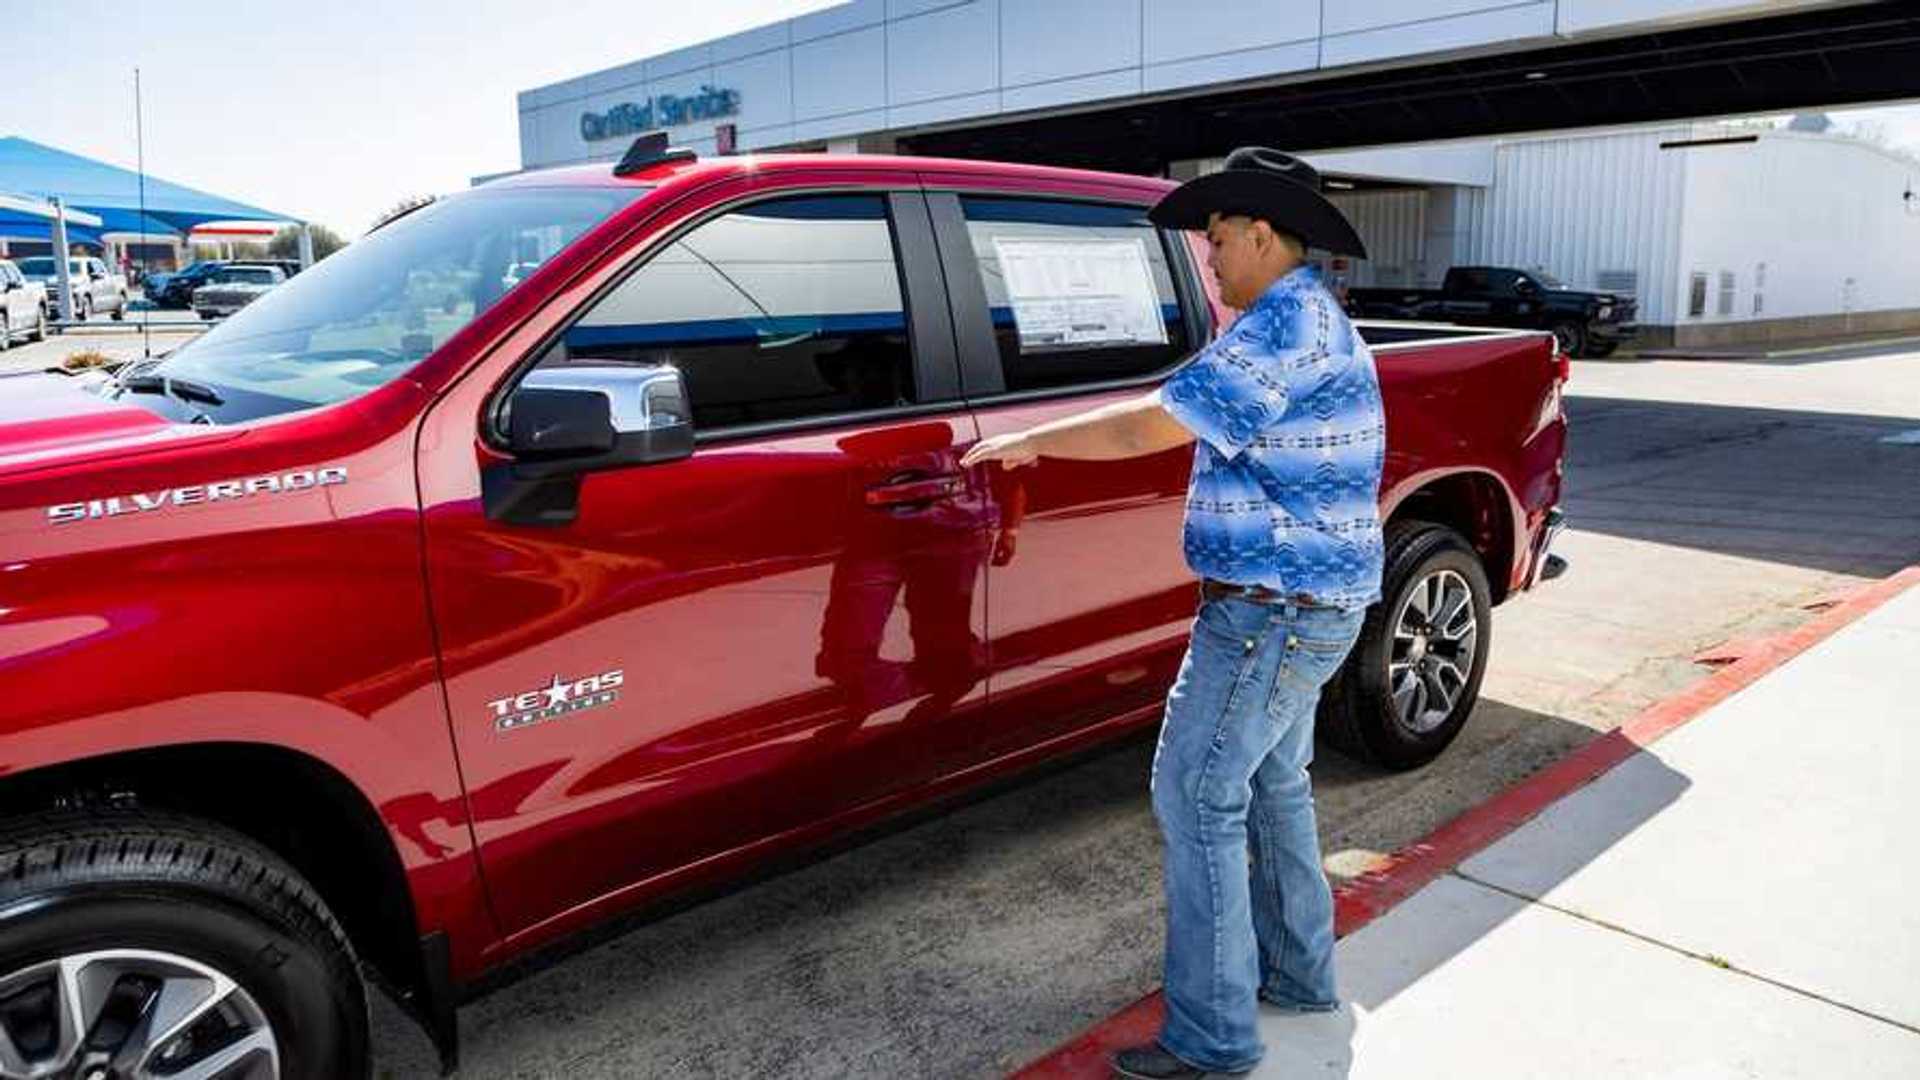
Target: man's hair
[{"x": 1293, "y": 239}]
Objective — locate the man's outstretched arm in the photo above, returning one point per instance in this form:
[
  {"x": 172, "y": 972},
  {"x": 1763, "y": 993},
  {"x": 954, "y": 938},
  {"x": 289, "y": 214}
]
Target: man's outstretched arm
[{"x": 1125, "y": 429}]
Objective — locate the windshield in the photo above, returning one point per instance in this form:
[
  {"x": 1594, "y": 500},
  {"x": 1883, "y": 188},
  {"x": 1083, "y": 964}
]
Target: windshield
[
  {"x": 38, "y": 266},
  {"x": 1548, "y": 280},
  {"x": 365, "y": 315}
]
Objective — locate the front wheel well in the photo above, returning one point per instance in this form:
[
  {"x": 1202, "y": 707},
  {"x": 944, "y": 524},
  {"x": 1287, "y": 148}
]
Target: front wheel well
[
  {"x": 1475, "y": 506},
  {"x": 300, "y": 808}
]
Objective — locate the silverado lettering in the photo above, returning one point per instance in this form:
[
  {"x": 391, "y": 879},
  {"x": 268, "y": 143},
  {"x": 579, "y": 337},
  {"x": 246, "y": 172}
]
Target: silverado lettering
[{"x": 140, "y": 501}]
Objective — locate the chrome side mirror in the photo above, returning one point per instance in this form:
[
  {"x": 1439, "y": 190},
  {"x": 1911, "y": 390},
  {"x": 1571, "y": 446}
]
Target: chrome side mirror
[
  {"x": 641, "y": 398},
  {"x": 565, "y": 421}
]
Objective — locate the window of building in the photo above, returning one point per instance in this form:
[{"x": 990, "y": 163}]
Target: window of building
[
  {"x": 1697, "y": 296},
  {"x": 783, "y": 310},
  {"x": 1726, "y": 293},
  {"x": 1079, "y": 293}
]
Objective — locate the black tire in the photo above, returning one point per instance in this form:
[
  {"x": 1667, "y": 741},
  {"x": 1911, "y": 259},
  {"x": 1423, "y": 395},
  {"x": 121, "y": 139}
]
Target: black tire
[
  {"x": 74, "y": 883},
  {"x": 120, "y": 313},
  {"x": 83, "y": 310},
  {"x": 1357, "y": 712},
  {"x": 1572, "y": 338},
  {"x": 1600, "y": 350},
  {"x": 6, "y": 333},
  {"x": 40, "y": 325}
]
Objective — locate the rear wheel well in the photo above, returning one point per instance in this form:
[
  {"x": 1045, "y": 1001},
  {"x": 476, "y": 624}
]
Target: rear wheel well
[
  {"x": 298, "y": 807},
  {"x": 1475, "y": 506}
]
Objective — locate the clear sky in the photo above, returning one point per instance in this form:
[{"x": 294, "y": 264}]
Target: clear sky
[
  {"x": 333, "y": 110},
  {"x": 327, "y": 110}
]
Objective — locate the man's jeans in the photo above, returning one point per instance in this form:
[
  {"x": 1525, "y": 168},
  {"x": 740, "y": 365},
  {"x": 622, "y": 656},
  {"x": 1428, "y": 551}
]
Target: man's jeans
[{"x": 1230, "y": 776}]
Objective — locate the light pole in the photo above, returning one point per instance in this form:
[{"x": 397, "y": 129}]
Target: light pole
[{"x": 65, "y": 279}]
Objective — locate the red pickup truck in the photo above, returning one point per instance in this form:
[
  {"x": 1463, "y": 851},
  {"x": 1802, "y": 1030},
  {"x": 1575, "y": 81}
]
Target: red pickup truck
[{"x": 597, "y": 534}]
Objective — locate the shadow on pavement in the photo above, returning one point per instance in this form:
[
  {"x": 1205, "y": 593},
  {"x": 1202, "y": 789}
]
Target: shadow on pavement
[
  {"x": 1809, "y": 489},
  {"x": 962, "y": 945},
  {"x": 1389, "y": 956}
]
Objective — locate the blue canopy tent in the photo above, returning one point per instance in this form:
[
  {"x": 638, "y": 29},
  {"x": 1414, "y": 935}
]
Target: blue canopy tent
[{"x": 108, "y": 192}]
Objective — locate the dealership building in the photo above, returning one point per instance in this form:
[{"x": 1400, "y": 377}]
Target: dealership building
[{"x": 1552, "y": 135}]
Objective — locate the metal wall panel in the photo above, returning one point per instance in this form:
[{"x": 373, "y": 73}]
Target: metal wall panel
[
  {"x": 1824, "y": 216},
  {"x": 1393, "y": 225},
  {"x": 1579, "y": 206}
]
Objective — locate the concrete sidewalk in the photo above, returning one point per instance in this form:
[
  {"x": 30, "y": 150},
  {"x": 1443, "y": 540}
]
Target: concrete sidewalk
[{"x": 1737, "y": 899}]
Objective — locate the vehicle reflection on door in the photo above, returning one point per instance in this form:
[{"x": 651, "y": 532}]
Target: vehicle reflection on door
[
  {"x": 919, "y": 548},
  {"x": 793, "y": 614}
]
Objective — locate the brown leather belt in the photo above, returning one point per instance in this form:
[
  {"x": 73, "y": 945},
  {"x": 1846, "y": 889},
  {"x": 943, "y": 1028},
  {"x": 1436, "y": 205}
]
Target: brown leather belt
[{"x": 1255, "y": 594}]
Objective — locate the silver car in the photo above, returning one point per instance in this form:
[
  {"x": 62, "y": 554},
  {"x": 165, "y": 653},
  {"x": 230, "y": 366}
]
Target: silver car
[{"x": 233, "y": 288}]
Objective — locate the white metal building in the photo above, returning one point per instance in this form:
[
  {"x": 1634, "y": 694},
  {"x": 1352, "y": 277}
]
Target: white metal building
[
  {"x": 1792, "y": 234},
  {"x": 1727, "y": 234}
]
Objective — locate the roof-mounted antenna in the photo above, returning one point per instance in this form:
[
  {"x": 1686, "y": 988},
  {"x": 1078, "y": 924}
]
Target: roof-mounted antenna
[{"x": 649, "y": 150}]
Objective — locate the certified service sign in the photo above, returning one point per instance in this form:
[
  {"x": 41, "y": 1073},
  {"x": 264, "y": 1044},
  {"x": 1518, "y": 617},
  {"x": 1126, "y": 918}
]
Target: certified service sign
[{"x": 660, "y": 111}]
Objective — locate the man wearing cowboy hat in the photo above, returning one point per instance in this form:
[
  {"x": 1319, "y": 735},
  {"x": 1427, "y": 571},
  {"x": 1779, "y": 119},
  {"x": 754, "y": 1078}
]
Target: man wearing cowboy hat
[{"x": 1283, "y": 529}]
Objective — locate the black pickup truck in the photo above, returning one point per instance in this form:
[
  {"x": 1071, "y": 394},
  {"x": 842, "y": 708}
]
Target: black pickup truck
[{"x": 1585, "y": 323}]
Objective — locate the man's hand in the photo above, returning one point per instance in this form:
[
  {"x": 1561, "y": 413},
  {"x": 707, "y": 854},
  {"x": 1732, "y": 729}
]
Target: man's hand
[{"x": 1011, "y": 451}]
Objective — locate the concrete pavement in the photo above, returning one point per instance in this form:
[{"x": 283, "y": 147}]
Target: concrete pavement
[
  {"x": 1733, "y": 900},
  {"x": 977, "y": 939},
  {"x": 166, "y": 331}
]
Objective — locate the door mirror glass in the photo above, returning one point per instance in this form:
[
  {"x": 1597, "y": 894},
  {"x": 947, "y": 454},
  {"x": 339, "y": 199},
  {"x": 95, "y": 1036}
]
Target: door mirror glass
[
  {"x": 1526, "y": 287},
  {"x": 560, "y": 422}
]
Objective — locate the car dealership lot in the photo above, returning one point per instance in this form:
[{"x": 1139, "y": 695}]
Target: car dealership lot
[{"x": 1709, "y": 502}]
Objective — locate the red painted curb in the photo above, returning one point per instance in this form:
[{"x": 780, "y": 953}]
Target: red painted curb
[{"x": 1417, "y": 865}]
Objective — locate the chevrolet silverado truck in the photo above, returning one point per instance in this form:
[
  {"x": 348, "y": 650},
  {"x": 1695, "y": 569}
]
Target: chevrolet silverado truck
[
  {"x": 1583, "y": 323},
  {"x": 425, "y": 613}
]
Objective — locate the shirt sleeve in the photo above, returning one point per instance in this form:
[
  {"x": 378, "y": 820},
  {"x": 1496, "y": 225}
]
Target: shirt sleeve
[
  {"x": 1242, "y": 384},
  {"x": 1230, "y": 391}
]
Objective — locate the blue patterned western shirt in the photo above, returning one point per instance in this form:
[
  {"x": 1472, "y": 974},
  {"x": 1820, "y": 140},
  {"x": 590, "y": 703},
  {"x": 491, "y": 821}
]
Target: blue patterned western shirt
[{"x": 1286, "y": 473}]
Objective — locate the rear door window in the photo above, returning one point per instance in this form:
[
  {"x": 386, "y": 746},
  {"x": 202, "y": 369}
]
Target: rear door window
[{"x": 1079, "y": 293}]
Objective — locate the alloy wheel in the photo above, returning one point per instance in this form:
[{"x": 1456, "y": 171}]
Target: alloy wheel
[
  {"x": 1435, "y": 635},
  {"x": 132, "y": 1014}
]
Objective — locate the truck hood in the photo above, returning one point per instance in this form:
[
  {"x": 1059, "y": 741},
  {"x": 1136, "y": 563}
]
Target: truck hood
[
  {"x": 48, "y": 418},
  {"x": 1576, "y": 295}
]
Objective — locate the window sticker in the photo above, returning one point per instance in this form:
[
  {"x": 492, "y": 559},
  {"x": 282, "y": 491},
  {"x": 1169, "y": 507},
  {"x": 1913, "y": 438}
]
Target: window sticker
[{"x": 1073, "y": 293}]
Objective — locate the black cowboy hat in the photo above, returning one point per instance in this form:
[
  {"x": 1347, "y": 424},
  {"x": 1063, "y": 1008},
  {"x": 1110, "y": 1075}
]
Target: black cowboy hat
[{"x": 1268, "y": 184}]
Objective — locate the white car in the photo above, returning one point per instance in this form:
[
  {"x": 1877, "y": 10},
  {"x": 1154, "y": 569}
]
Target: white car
[
  {"x": 96, "y": 289},
  {"x": 23, "y": 306},
  {"x": 234, "y": 287}
]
